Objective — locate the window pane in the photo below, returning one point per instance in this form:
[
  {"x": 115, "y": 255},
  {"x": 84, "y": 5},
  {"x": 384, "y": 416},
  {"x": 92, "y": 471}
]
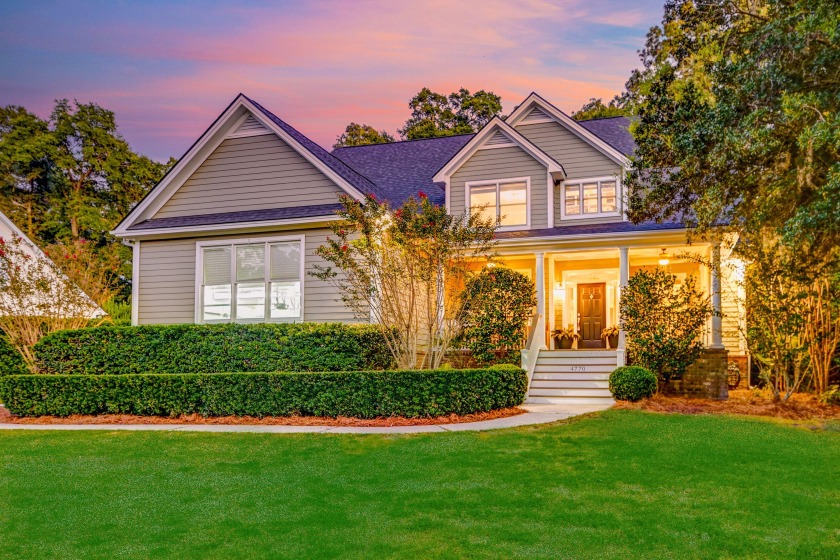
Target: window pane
[
  {"x": 285, "y": 300},
  {"x": 572, "y": 200},
  {"x": 250, "y": 262},
  {"x": 513, "y": 207},
  {"x": 608, "y": 197},
  {"x": 483, "y": 196},
  {"x": 250, "y": 300},
  {"x": 590, "y": 198},
  {"x": 216, "y": 303},
  {"x": 285, "y": 261},
  {"x": 216, "y": 265}
]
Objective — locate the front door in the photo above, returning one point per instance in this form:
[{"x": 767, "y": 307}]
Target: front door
[{"x": 592, "y": 309}]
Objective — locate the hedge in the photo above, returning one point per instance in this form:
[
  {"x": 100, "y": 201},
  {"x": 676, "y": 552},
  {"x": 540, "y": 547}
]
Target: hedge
[
  {"x": 118, "y": 350},
  {"x": 632, "y": 383},
  {"x": 364, "y": 394},
  {"x": 11, "y": 362}
]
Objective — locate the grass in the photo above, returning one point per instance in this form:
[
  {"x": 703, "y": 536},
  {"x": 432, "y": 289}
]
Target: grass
[{"x": 621, "y": 484}]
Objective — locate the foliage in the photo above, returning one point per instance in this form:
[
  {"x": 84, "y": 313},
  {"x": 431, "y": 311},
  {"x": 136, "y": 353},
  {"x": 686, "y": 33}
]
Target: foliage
[
  {"x": 36, "y": 297},
  {"x": 401, "y": 269},
  {"x": 609, "y": 331},
  {"x": 434, "y": 115},
  {"x": 119, "y": 313},
  {"x": 595, "y": 109},
  {"x": 632, "y": 383},
  {"x": 361, "y": 394},
  {"x": 11, "y": 361},
  {"x": 571, "y": 334},
  {"x": 664, "y": 322},
  {"x": 213, "y": 348},
  {"x": 362, "y": 135},
  {"x": 72, "y": 177},
  {"x": 831, "y": 395},
  {"x": 498, "y": 304}
]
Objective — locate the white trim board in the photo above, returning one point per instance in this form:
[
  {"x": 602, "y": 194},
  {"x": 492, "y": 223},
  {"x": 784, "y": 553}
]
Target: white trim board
[{"x": 233, "y": 226}]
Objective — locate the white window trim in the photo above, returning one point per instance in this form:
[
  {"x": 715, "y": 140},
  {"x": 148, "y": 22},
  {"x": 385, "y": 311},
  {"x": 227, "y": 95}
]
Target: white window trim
[
  {"x": 233, "y": 242},
  {"x": 527, "y": 180},
  {"x": 580, "y": 182}
]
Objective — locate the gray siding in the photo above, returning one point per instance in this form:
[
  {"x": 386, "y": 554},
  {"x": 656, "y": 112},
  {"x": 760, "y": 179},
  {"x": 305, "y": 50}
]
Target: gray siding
[
  {"x": 579, "y": 159},
  {"x": 167, "y": 281},
  {"x": 251, "y": 173},
  {"x": 503, "y": 163}
]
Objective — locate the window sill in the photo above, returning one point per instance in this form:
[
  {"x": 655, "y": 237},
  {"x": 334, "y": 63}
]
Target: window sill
[{"x": 591, "y": 216}]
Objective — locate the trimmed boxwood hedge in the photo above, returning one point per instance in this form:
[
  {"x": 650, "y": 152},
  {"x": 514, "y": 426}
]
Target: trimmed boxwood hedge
[
  {"x": 365, "y": 394},
  {"x": 170, "y": 349},
  {"x": 632, "y": 383},
  {"x": 11, "y": 362}
]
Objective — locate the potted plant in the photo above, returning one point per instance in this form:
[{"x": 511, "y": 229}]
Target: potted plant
[
  {"x": 610, "y": 336},
  {"x": 565, "y": 338}
]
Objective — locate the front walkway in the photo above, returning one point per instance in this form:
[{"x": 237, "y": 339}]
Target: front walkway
[{"x": 537, "y": 414}]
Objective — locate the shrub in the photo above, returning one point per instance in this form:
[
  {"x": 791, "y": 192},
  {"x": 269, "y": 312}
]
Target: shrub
[
  {"x": 213, "y": 349},
  {"x": 498, "y": 303},
  {"x": 11, "y": 362},
  {"x": 365, "y": 394},
  {"x": 664, "y": 321},
  {"x": 632, "y": 383}
]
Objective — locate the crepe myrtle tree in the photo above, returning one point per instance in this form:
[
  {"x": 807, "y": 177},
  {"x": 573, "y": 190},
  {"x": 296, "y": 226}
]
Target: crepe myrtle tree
[
  {"x": 664, "y": 321},
  {"x": 37, "y": 297},
  {"x": 402, "y": 269}
]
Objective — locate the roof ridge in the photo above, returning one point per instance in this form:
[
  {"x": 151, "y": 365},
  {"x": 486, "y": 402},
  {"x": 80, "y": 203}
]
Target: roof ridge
[
  {"x": 406, "y": 141},
  {"x": 604, "y": 118}
]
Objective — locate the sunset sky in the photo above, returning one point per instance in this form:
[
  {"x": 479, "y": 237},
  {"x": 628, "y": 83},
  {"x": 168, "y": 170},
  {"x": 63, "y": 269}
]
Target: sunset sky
[{"x": 169, "y": 68}]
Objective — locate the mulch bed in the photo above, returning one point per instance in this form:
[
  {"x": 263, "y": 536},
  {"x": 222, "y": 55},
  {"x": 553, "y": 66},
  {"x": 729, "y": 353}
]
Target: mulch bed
[
  {"x": 749, "y": 402},
  {"x": 7, "y": 418}
]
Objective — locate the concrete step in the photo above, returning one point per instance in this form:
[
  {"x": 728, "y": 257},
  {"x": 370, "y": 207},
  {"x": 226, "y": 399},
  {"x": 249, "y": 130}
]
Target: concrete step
[
  {"x": 570, "y": 400},
  {"x": 579, "y": 353},
  {"x": 576, "y": 369},
  {"x": 566, "y": 384},
  {"x": 561, "y": 376},
  {"x": 568, "y": 392},
  {"x": 576, "y": 361}
]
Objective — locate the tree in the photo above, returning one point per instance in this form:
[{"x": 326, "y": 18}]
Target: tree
[
  {"x": 434, "y": 115},
  {"x": 403, "y": 269},
  {"x": 738, "y": 131},
  {"x": 72, "y": 177},
  {"x": 664, "y": 321},
  {"x": 36, "y": 297},
  {"x": 595, "y": 109},
  {"x": 498, "y": 303},
  {"x": 361, "y": 135}
]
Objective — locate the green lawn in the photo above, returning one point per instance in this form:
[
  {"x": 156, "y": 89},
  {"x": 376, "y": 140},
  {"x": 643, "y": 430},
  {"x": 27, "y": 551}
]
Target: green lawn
[{"x": 620, "y": 484}]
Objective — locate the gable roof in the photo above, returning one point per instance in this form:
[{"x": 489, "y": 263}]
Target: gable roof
[
  {"x": 402, "y": 169},
  {"x": 488, "y": 133},
  {"x": 533, "y": 101},
  {"x": 615, "y": 131}
]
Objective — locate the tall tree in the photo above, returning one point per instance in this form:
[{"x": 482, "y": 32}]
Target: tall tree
[
  {"x": 72, "y": 177},
  {"x": 434, "y": 115},
  {"x": 361, "y": 135},
  {"x": 596, "y": 109}
]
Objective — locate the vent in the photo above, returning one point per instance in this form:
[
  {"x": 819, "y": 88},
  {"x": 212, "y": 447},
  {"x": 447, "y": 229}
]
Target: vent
[
  {"x": 536, "y": 114},
  {"x": 499, "y": 139},
  {"x": 250, "y": 127}
]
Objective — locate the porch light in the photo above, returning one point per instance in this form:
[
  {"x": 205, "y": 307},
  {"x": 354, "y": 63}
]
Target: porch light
[
  {"x": 559, "y": 290},
  {"x": 664, "y": 258}
]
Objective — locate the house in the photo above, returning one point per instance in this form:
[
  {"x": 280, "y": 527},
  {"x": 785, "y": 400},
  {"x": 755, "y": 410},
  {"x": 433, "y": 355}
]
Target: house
[
  {"x": 24, "y": 303},
  {"x": 236, "y": 222}
]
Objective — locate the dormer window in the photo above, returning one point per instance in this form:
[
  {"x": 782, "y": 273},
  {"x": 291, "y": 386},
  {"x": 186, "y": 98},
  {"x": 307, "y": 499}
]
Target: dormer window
[
  {"x": 590, "y": 198},
  {"x": 504, "y": 201}
]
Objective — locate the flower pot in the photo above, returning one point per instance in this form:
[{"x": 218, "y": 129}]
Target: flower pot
[
  {"x": 612, "y": 341},
  {"x": 564, "y": 343}
]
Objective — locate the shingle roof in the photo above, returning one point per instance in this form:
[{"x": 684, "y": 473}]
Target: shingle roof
[
  {"x": 356, "y": 179},
  {"x": 402, "y": 169},
  {"x": 614, "y": 131},
  {"x": 589, "y": 229},
  {"x": 271, "y": 214}
]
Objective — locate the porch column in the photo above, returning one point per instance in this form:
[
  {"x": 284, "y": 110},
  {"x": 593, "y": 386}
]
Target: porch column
[
  {"x": 717, "y": 328},
  {"x": 623, "y": 278},
  {"x": 539, "y": 271}
]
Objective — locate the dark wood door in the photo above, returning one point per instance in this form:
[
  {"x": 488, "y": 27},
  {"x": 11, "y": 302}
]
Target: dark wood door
[{"x": 592, "y": 310}]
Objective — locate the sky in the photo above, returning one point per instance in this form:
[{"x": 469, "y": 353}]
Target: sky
[{"x": 169, "y": 68}]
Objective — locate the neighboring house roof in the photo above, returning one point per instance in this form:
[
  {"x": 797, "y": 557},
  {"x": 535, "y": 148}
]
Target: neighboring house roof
[
  {"x": 269, "y": 214},
  {"x": 8, "y": 229},
  {"x": 615, "y": 131},
  {"x": 402, "y": 169}
]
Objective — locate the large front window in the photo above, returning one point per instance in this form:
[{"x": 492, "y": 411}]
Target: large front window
[
  {"x": 590, "y": 198},
  {"x": 251, "y": 282},
  {"x": 503, "y": 202}
]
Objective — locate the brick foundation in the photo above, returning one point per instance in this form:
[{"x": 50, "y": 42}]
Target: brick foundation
[{"x": 706, "y": 378}]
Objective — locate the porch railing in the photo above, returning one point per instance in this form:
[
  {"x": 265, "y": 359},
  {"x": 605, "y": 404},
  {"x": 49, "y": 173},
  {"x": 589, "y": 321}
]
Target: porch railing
[{"x": 533, "y": 345}]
